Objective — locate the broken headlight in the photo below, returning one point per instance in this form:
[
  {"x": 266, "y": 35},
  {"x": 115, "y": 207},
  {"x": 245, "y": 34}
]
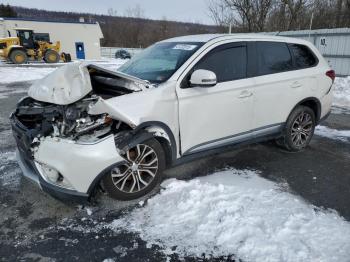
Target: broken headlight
[{"x": 52, "y": 176}]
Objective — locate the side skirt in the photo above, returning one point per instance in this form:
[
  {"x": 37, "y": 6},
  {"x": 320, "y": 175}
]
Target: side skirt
[{"x": 225, "y": 147}]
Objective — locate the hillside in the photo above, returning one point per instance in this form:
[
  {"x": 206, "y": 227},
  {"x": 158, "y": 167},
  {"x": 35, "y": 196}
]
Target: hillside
[{"x": 123, "y": 31}]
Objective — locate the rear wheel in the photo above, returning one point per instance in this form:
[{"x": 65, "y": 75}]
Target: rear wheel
[
  {"x": 139, "y": 175},
  {"x": 299, "y": 129},
  {"x": 51, "y": 56},
  {"x": 18, "y": 57}
]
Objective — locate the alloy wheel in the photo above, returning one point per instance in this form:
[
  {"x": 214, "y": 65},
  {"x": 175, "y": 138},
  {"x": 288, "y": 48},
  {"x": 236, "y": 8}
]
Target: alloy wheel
[
  {"x": 139, "y": 170},
  {"x": 302, "y": 129}
]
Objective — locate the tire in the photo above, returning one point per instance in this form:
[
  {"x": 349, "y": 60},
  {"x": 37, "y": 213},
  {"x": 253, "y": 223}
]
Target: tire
[
  {"x": 299, "y": 129},
  {"x": 123, "y": 182},
  {"x": 18, "y": 57},
  {"x": 51, "y": 56},
  {"x": 68, "y": 58}
]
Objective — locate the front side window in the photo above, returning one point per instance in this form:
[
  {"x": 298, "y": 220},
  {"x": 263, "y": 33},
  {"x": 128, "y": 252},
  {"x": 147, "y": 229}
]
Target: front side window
[
  {"x": 273, "y": 57},
  {"x": 160, "y": 61},
  {"x": 227, "y": 62},
  {"x": 303, "y": 56}
]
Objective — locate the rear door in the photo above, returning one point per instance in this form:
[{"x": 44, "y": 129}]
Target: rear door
[
  {"x": 215, "y": 116},
  {"x": 279, "y": 87}
]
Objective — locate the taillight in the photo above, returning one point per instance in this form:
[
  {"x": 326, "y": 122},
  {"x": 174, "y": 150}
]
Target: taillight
[{"x": 331, "y": 75}]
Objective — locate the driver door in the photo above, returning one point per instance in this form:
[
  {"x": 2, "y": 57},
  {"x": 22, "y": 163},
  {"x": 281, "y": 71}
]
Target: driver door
[{"x": 215, "y": 116}]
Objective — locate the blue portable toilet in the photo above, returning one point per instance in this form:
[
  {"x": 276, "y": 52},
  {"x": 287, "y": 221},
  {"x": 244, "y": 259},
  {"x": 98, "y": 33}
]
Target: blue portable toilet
[{"x": 80, "y": 51}]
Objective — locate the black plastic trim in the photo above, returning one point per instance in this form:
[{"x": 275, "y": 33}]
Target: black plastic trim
[
  {"x": 225, "y": 148},
  {"x": 166, "y": 129},
  {"x": 101, "y": 175},
  {"x": 318, "y": 103},
  {"x": 232, "y": 136},
  {"x": 63, "y": 194},
  {"x": 324, "y": 117}
]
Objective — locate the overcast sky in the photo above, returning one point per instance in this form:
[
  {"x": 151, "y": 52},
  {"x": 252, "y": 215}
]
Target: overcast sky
[{"x": 179, "y": 10}]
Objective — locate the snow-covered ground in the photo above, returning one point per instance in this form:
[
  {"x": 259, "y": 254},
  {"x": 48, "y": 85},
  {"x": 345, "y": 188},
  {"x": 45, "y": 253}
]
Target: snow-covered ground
[
  {"x": 238, "y": 212},
  {"x": 341, "y": 135},
  {"x": 34, "y": 72},
  {"x": 22, "y": 74},
  {"x": 342, "y": 92}
]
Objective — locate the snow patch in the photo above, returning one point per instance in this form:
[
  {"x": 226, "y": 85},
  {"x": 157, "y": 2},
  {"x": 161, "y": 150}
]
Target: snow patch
[
  {"x": 9, "y": 171},
  {"x": 237, "y": 212},
  {"x": 23, "y": 74},
  {"x": 341, "y": 135},
  {"x": 342, "y": 93}
]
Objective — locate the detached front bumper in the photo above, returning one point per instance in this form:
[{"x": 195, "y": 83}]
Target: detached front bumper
[{"x": 79, "y": 165}]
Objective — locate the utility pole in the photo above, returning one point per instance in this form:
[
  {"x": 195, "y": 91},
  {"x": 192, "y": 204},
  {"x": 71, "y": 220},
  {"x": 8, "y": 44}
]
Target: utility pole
[
  {"x": 230, "y": 28},
  {"x": 310, "y": 28}
]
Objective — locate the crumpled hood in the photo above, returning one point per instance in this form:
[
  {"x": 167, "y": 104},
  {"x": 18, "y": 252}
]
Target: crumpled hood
[{"x": 71, "y": 82}]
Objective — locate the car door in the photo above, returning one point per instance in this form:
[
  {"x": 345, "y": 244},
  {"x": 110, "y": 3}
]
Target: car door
[
  {"x": 279, "y": 87},
  {"x": 218, "y": 115}
]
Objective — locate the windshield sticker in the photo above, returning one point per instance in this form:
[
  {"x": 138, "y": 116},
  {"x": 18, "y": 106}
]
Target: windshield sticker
[{"x": 185, "y": 47}]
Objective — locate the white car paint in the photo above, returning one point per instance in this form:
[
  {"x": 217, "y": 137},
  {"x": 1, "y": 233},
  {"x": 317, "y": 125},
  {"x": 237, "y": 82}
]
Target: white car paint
[{"x": 198, "y": 118}]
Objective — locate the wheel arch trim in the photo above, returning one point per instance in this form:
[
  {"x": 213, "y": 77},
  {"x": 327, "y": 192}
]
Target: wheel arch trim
[
  {"x": 309, "y": 99},
  {"x": 157, "y": 124},
  {"x": 138, "y": 130}
]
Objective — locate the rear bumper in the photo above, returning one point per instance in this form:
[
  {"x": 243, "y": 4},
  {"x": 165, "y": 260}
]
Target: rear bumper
[
  {"x": 324, "y": 117},
  {"x": 30, "y": 172}
]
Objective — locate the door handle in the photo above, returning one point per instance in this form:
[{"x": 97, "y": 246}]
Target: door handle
[
  {"x": 244, "y": 94},
  {"x": 295, "y": 84}
]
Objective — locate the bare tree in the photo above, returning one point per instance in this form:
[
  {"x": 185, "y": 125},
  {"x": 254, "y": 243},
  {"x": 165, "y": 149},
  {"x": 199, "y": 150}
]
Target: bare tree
[
  {"x": 219, "y": 12},
  {"x": 295, "y": 10},
  {"x": 112, "y": 12},
  {"x": 136, "y": 12},
  {"x": 251, "y": 14}
]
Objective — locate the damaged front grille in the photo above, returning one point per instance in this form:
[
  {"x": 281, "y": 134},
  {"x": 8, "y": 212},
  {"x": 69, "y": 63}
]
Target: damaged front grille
[{"x": 41, "y": 119}]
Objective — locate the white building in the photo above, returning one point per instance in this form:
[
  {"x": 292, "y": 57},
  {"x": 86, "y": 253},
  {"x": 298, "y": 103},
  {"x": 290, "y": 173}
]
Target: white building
[{"x": 80, "y": 39}]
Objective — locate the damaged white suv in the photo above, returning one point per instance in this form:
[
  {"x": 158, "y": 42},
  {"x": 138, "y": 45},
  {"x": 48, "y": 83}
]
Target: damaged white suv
[{"x": 83, "y": 125}]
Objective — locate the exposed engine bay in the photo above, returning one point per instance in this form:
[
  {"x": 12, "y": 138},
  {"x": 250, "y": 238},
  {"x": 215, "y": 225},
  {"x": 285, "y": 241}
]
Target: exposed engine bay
[{"x": 72, "y": 121}]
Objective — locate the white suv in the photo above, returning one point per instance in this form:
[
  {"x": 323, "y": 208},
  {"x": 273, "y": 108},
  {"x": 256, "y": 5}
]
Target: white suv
[{"x": 84, "y": 125}]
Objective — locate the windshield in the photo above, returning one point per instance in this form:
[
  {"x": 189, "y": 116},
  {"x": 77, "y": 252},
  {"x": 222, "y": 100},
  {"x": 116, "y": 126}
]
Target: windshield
[{"x": 159, "y": 62}]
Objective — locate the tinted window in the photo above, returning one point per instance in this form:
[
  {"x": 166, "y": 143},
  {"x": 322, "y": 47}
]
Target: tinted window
[
  {"x": 303, "y": 57},
  {"x": 228, "y": 63},
  {"x": 273, "y": 57}
]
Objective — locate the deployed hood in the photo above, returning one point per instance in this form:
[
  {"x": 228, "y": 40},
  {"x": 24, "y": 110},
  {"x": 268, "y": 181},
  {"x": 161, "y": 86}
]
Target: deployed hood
[{"x": 72, "y": 82}]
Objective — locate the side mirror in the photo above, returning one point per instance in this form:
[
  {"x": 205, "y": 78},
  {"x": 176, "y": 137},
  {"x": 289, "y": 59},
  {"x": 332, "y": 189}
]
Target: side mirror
[{"x": 203, "y": 78}]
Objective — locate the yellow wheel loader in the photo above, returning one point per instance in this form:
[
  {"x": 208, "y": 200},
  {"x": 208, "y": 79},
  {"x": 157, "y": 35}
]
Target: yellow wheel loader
[{"x": 25, "y": 47}]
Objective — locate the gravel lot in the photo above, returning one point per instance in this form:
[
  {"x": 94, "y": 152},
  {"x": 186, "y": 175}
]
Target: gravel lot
[{"x": 36, "y": 227}]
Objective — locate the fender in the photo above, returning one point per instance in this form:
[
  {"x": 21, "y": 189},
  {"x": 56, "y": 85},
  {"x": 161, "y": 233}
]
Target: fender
[
  {"x": 305, "y": 101},
  {"x": 15, "y": 47},
  {"x": 171, "y": 142},
  {"x": 133, "y": 137}
]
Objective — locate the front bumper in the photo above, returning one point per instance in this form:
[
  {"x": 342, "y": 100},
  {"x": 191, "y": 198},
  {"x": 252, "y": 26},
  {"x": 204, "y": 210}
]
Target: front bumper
[
  {"x": 82, "y": 165},
  {"x": 30, "y": 172}
]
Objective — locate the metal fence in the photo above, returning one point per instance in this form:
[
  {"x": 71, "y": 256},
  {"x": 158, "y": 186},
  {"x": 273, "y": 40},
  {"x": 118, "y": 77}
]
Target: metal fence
[
  {"x": 109, "y": 52},
  {"x": 334, "y": 45}
]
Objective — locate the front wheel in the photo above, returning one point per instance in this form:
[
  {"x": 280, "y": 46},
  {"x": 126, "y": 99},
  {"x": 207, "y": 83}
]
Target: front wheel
[
  {"x": 299, "y": 129},
  {"x": 139, "y": 174},
  {"x": 18, "y": 57},
  {"x": 51, "y": 56}
]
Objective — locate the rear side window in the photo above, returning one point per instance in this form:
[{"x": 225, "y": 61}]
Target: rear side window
[
  {"x": 273, "y": 57},
  {"x": 227, "y": 62},
  {"x": 303, "y": 56}
]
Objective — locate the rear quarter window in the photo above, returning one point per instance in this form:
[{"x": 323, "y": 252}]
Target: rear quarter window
[
  {"x": 273, "y": 57},
  {"x": 303, "y": 56}
]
